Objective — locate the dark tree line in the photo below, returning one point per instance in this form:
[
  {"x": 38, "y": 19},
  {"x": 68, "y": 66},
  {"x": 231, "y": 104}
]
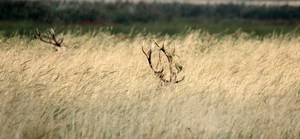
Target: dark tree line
[{"x": 126, "y": 13}]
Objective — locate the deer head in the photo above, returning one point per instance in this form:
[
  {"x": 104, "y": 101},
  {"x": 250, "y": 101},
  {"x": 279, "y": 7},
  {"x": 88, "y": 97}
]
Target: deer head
[
  {"x": 174, "y": 67},
  {"x": 50, "y": 37}
]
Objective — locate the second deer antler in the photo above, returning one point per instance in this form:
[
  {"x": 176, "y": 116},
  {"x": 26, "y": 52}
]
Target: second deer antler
[{"x": 50, "y": 37}]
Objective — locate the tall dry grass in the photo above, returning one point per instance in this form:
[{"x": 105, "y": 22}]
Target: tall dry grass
[{"x": 235, "y": 87}]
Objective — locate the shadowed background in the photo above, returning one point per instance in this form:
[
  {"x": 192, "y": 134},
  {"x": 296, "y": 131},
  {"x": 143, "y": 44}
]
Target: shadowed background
[{"x": 131, "y": 17}]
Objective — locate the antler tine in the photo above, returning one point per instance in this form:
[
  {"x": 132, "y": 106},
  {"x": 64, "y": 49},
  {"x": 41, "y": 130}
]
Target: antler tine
[
  {"x": 148, "y": 55},
  {"x": 174, "y": 49},
  {"x": 60, "y": 41},
  {"x": 178, "y": 81},
  {"x": 149, "y": 58},
  {"x": 37, "y": 32},
  {"x": 168, "y": 55},
  {"x": 57, "y": 42},
  {"x": 51, "y": 32},
  {"x": 158, "y": 45},
  {"x": 143, "y": 49},
  {"x": 159, "y": 59}
]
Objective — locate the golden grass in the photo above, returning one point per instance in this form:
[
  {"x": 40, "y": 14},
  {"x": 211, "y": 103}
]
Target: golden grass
[{"x": 235, "y": 87}]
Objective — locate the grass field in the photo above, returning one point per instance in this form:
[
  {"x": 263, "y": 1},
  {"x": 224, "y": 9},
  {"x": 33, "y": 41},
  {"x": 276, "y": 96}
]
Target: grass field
[{"x": 236, "y": 86}]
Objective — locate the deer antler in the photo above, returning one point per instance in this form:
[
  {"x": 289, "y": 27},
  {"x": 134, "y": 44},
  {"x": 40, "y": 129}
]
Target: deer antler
[
  {"x": 158, "y": 73},
  {"x": 50, "y": 37},
  {"x": 174, "y": 69}
]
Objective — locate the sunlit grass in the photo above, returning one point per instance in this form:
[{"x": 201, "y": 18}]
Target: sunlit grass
[{"x": 236, "y": 86}]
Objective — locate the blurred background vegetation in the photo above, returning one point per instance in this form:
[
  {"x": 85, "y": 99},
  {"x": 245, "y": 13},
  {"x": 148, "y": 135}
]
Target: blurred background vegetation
[{"x": 23, "y": 17}]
